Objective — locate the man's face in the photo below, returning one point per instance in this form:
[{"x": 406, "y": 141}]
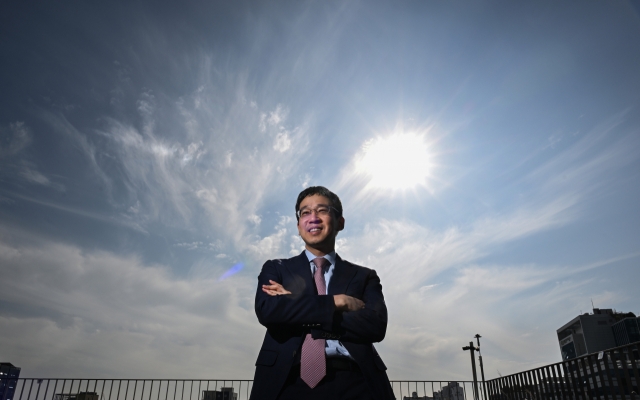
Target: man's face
[{"x": 318, "y": 230}]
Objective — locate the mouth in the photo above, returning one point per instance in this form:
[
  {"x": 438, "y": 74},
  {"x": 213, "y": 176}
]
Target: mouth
[{"x": 314, "y": 230}]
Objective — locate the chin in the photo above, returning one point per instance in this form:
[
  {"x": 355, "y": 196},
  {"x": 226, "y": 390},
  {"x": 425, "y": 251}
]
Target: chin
[{"x": 313, "y": 243}]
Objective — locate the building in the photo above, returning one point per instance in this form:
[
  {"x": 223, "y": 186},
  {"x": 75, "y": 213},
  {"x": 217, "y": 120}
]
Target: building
[
  {"x": 627, "y": 331},
  {"x": 9, "y": 375},
  {"x": 414, "y": 396},
  {"x": 590, "y": 333},
  {"x": 76, "y": 396},
  {"x": 87, "y": 396},
  {"x": 453, "y": 391},
  {"x": 225, "y": 393}
]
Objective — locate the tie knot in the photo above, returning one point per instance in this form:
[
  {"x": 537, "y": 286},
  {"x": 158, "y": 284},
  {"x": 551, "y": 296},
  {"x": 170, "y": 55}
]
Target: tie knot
[{"x": 321, "y": 262}]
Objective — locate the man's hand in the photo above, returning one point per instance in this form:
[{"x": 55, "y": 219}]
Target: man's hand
[
  {"x": 274, "y": 289},
  {"x": 347, "y": 303}
]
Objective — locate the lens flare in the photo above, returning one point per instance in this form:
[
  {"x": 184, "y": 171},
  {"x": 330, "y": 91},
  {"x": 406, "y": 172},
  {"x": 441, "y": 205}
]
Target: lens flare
[{"x": 231, "y": 271}]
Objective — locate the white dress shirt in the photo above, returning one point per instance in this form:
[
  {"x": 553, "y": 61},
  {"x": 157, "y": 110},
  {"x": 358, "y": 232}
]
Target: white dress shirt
[{"x": 333, "y": 348}]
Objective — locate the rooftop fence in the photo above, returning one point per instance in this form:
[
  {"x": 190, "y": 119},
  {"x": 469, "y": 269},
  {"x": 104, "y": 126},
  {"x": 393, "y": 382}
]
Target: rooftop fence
[
  {"x": 195, "y": 389},
  {"x": 611, "y": 374}
]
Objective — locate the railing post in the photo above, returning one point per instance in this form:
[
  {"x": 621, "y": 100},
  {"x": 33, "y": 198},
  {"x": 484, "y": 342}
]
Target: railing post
[
  {"x": 586, "y": 378},
  {"x": 626, "y": 389},
  {"x": 571, "y": 370},
  {"x": 555, "y": 385},
  {"x": 634, "y": 368},
  {"x": 611, "y": 356},
  {"x": 518, "y": 379},
  {"x": 534, "y": 383},
  {"x": 593, "y": 359},
  {"x": 510, "y": 387},
  {"x": 561, "y": 380}
]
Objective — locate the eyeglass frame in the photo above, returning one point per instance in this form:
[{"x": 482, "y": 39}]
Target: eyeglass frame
[{"x": 315, "y": 210}]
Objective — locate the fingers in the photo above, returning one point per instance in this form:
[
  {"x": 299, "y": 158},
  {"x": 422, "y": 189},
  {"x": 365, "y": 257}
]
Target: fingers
[
  {"x": 270, "y": 287},
  {"x": 274, "y": 289},
  {"x": 269, "y": 292},
  {"x": 344, "y": 302},
  {"x": 273, "y": 286},
  {"x": 355, "y": 304}
]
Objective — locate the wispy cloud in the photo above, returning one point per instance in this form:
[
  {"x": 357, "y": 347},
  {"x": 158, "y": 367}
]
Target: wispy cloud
[
  {"x": 74, "y": 304},
  {"x": 15, "y": 162},
  {"x": 109, "y": 219},
  {"x": 586, "y": 165},
  {"x": 60, "y": 124},
  {"x": 216, "y": 163},
  {"x": 16, "y": 137}
]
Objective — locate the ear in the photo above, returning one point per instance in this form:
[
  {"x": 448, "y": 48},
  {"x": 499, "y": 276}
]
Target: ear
[{"x": 340, "y": 224}]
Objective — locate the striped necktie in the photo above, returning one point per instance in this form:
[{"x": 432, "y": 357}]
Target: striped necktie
[{"x": 313, "y": 364}]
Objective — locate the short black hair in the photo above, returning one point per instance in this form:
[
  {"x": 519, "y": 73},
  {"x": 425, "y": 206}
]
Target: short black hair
[{"x": 322, "y": 191}]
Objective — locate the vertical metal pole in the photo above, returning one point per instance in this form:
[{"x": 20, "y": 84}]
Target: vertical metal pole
[
  {"x": 482, "y": 373},
  {"x": 473, "y": 367},
  {"x": 484, "y": 384},
  {"x": 481, "y": 367}
]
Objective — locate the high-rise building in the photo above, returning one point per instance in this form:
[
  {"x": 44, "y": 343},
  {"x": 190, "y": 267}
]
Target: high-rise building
[
  {"x": 627, "y": 331},
  {"x": 590, "y": 333},
  {"x": 9, "y": 375}
]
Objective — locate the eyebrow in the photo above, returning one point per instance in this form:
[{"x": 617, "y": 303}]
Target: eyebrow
[{"x": 319, "y": 205}]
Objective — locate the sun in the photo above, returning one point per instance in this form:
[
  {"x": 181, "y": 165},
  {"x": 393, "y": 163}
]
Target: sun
[{"x": 399, "y": 161}]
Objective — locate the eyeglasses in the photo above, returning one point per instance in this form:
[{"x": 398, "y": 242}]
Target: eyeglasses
[{"x": 320, "y": 211}]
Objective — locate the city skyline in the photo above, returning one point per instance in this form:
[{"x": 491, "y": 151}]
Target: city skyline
[{"x": 486, "y": 154}]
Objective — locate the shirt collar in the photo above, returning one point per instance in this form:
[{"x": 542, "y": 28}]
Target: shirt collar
[{"x": 331, "y": 257}]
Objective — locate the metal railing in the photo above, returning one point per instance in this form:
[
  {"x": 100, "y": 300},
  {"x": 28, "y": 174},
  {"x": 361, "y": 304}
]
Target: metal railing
[
  {"x": 610, "y": 374},
  {"x": 437, "y": 390},
  {"x": 195, "y": 389},
  {"x": 124, "y": 389}
]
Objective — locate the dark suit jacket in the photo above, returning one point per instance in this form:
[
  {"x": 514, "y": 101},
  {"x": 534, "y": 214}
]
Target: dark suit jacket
[{"x": 288, "y": 318}]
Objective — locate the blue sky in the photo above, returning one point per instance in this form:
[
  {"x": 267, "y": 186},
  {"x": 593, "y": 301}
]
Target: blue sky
[{"x": 151, "y": 154}]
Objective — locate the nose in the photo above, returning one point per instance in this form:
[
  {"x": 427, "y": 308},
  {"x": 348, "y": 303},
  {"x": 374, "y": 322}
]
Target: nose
[{"x": 314, "y": 216}]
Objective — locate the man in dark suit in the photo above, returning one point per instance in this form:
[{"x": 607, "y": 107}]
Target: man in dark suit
[{"x": 322, "y": 315}]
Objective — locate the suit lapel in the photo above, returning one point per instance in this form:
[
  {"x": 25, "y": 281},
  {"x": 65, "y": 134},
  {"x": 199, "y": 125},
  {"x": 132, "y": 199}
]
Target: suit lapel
[
  {"x": 342, "y": 275},
  {"x": 300, "y": 268}
]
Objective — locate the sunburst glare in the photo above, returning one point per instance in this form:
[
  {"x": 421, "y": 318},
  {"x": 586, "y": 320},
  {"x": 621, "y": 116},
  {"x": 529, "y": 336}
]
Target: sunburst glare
[{"x": 398, "y": 161}]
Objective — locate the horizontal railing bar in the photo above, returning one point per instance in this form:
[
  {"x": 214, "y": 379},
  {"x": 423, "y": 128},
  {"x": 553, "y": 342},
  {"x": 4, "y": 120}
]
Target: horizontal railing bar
[{"x": 186, "y": 380}]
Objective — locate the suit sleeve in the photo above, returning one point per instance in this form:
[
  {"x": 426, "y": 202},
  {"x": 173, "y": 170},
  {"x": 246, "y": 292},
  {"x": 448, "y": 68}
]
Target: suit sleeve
[
  {"x": 291, "y": 310},
  {"x": 369, "y": 324}
]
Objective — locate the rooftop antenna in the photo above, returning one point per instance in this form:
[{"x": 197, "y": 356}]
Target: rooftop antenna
[{"x": 592, "y": 307}]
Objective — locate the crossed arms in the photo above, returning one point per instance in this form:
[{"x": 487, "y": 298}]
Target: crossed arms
[
  {"x": 341, "y": 301},
  {"x": 360, "y": 319}
]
